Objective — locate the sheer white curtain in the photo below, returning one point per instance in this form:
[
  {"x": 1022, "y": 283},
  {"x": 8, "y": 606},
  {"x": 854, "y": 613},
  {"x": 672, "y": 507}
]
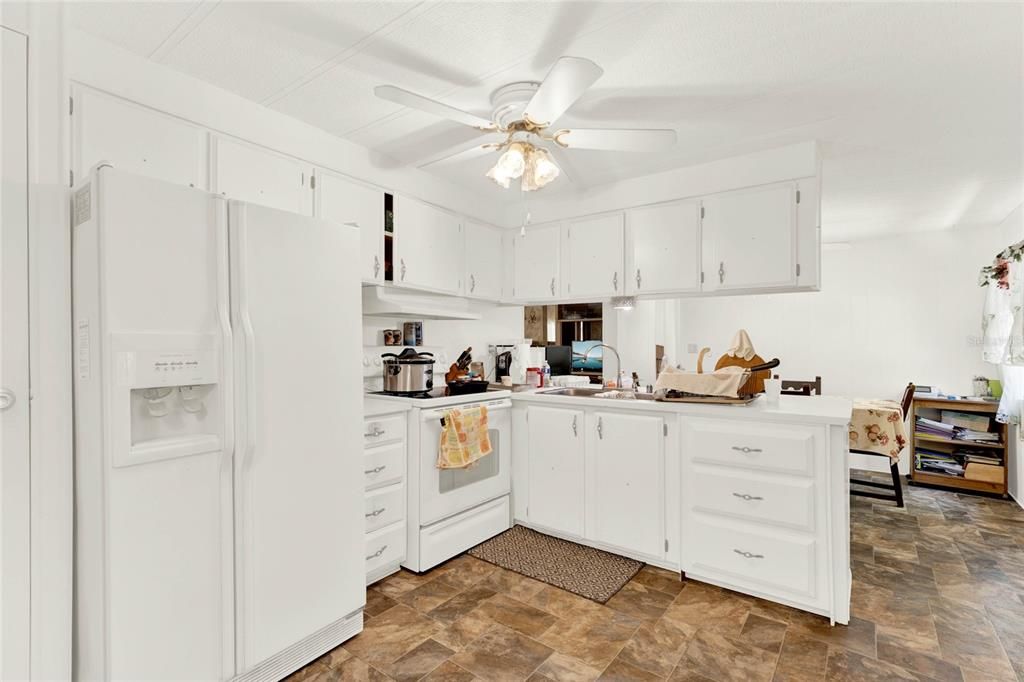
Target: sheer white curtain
[{"x": 1003, "y": 336}]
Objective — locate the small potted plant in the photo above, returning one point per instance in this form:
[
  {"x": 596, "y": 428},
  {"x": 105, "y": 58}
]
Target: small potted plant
[{"x": 980, "y": 387}]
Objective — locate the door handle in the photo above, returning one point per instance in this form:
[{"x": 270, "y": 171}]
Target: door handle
[
  {"x": 375, "y": 513},
  {"x": 600, "y": 428},
  {"x": 402, "y": 260},
  {"x": 376, "y": 470},
  {"x": 638, "y": 278},
  {"x": 552, "y": 286},
  {"x": 377, "y": 553},
  {"x": 615, "y": 280},
  {"x": 7, "y": 399},
  {"x": 376, "y": 265},
  {"x": 574, "y": 433},
  {"x": 721, "y": 272}
]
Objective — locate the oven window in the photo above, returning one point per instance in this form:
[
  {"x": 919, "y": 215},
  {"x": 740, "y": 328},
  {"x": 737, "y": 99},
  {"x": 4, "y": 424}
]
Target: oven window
[{"x": 482, "y": 469}]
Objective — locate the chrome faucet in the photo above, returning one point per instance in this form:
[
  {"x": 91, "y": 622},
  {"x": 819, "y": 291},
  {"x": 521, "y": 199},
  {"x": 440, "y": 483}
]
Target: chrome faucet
[{"x": 618, "y": 361}]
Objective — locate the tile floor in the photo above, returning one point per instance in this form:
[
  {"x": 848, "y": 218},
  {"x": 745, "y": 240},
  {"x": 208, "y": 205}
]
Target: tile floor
[{"x": 938, "y": 594}]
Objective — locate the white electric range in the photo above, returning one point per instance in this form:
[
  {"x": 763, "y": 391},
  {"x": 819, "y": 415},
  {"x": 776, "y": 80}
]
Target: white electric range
[{"x": 452, "y": 510}]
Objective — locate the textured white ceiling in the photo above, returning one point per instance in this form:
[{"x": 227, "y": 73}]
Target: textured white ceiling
[{"x": 918, "y": 105}]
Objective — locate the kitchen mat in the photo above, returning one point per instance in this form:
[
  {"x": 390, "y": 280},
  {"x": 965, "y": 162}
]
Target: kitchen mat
[{"x": 591, "y": 573}]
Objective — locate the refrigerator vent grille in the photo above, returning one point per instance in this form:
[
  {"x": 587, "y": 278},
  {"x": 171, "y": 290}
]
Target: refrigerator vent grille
[
  {"x": 309, "y": 649},
  {"x": 83, "y": 204}
]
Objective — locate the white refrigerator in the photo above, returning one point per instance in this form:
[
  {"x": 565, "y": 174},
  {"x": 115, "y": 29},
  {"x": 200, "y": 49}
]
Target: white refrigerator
[{"x": 218, "y": 405}]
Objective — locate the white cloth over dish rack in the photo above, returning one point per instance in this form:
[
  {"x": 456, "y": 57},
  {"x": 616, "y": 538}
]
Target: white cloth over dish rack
[{"x": 725, "y": 382}]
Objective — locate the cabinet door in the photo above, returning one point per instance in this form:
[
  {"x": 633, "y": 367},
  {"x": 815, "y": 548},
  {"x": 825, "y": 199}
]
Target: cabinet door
[
  {"x": 594, "y": 256},
  {"x": 750, "y": 238},
  {"x": 627, "y": 482},
  {"x": 252, "y": 174},
  {"x": 663, "y": 248},
  {"x": 484, "y": 263},
  {"x": 135, "y": 139},
  {"x": 428, "y": 247},
  {"x": 346, "y": 202},
  {"x": 537, "y": 264},
  {"x": 556, "y": 445}
]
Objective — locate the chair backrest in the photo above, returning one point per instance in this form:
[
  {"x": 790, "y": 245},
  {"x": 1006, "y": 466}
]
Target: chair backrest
[
  {"x": 796, "y": 387},
  {"x": 908, "y": 398}
]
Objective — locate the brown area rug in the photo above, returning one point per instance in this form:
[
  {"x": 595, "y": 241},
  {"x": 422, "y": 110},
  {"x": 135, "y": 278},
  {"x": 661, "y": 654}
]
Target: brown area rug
[{"x": 588, "y": 572}]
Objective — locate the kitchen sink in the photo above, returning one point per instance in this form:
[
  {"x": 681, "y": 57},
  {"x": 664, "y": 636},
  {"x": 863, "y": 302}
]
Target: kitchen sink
[{"x": 604, "y": 393}]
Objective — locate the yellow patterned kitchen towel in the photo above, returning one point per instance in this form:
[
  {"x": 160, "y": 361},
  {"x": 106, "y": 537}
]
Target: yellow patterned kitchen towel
[{"x": 464, "y": 438}]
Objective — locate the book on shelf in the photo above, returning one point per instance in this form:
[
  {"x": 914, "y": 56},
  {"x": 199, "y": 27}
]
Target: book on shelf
[
  {"x": 930, "y": 427},
  {"x": 938, "y": 462},
  {"x": 966, "y": 420}
]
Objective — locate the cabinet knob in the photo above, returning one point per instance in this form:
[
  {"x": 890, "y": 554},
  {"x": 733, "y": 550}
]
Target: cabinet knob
[
  {"x": 615, "y": 280},
  {"x": 746, "y": 497},
  {"x": 721, "y": 272},
  {"x": 402, "y": 260},
  {"x": 7, "y": 399},
  {"x": 375, "y": 513},
  {"x": 552, "y": 286},
  {"x": 376, "y": 265},
  {"x": 745, "y": 450},
  {"x": 600, "y": 428},
  {"x": 574, "y": 433},
  {"x": 748, "y": 555},
  {"x": 638, "y": 278},
  {"x": 472, "y": 284},
  {"x": 376, "y": 432},
  {"x": 376, "y": 470}
]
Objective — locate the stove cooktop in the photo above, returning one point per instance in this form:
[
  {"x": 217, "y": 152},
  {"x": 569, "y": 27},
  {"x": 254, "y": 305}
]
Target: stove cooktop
[{"x": 437, "y": 395}]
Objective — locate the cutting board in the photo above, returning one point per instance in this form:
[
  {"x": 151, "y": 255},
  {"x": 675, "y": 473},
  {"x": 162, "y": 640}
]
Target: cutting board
[{"x": 755, "y": 384}]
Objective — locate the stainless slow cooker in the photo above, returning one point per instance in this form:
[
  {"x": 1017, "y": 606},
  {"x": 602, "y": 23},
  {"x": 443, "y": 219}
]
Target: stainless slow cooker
[{"x": 409, "y": 372}]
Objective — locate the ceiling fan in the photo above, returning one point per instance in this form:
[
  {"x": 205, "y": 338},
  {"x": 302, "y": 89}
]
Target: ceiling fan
[{"x": 525, "y": 111}]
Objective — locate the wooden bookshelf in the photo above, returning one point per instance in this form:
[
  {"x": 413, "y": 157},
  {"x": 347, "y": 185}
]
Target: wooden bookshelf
[{"x": 931, "y": 408}]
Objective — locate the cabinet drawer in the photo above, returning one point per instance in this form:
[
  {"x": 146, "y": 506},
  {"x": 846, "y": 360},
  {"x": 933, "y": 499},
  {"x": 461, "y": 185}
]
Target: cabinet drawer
[
  {"x": 383, "y": 429},
  {"x": 757, "y": 498},
  {"x": 769, "y": 447},
  {"x": 384, "y": 464},
  {"x": 385, "y": 546},
  {"x": 385, "y": 506},
  {"x": 756, "y": 558}
]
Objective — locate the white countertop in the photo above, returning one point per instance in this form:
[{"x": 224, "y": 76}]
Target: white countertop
[
  {"x": 374, "y": 407},
  {"x": 818, "y": 409}
]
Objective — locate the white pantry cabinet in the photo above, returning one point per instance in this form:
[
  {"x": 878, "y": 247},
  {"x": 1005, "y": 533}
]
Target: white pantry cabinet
[
  {"x": 626, "y": 481},
  {"x": 135, "y": 139},
  {"x": 593, "y": 256},
  {"x": 346, "y": 202},
  {"x": 484, "y": 261},
  {"x": 253, "y": 174},
  {"x": 556, "y": 486},
  {"x": 750, "y": 238},
  {"x": 663, "y": 248},
  {"x": 537, "y": 264},
  {"x": 428, "y": 247}
]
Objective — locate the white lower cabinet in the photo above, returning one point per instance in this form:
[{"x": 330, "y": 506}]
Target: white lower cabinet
[
  {"x": 756, "y": 508},
  {"x": 556, "y": 484},
  {"x": 626, "y": 481},
  {"x": 384, "y": 452}
]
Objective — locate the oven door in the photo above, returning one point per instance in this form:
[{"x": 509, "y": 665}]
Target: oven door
[{"x": 444, "y": 492}]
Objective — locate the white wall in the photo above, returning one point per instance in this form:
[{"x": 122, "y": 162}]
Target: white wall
[
  {"x": 498, "y": 324},
  {"x": 892, "y": 310}
]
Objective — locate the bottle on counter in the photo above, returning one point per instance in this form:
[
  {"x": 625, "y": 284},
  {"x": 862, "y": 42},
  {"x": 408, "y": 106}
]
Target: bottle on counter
[{"x": 546, "y": 374}]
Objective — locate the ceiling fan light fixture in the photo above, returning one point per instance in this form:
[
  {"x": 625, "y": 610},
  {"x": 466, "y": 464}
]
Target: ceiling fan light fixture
[
  {"x": 544, "y": 168},
  {"x": 510, "y": 165}
]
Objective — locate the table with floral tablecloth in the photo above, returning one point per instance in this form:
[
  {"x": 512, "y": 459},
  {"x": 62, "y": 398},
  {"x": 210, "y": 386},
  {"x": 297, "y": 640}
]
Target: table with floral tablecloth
[{"x": 877, "y": 427}]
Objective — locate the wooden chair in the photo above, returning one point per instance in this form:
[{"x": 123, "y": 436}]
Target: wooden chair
[
  {"x": 801, "y": 387},
  {"x": 897, "y": 485}
]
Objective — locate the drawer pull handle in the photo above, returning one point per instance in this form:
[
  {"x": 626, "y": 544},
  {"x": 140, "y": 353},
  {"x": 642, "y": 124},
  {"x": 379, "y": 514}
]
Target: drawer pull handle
[
  {"x": 747, "y": 497},
  {"x": 574, "y": 433},
  {"x": 745, "y": 449},
  {"x": 748, "y": 555},
  {"x": 376, "y": 470},
  {"x": 377, "y": 553},
  {"x": 377, "y": 431},
  {"x": 375, "y": 513}
]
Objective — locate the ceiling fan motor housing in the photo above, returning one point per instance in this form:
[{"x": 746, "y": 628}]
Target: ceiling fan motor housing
[{"x": 509, "y": 102}]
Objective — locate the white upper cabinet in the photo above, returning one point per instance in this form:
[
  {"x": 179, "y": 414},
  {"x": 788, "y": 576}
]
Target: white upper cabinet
[
  {"x": 350, "y": 203},
  {"x": 135, "y": 139},
  {"x": 556, "y": 456},
  {"x": 750, "y": 238},
  {"x": 484, "y": 261},
  {"x": 663, "y": 248},
  {"x": 593, "y": 257},
  {"x": 537, "y": 264},
  {"x": 253, "y": 174},
  {"x": 626, "y": 486},
  {"x": 428, "y": 247}
]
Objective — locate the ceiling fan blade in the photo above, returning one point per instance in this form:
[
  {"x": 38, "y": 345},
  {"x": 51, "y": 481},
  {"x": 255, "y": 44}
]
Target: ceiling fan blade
[
  {"x": 411, "y": 99},
  {"x": 612, "y": 139},
  {"x": 567, "y": 80},
  {"x": 458, "y": 153}
]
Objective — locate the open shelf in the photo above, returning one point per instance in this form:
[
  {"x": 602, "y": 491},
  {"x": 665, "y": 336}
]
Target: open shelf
[{"x": 953, "y": 441}]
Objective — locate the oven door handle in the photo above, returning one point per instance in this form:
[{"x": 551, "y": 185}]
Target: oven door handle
[{"x": 441, "y": 412}]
